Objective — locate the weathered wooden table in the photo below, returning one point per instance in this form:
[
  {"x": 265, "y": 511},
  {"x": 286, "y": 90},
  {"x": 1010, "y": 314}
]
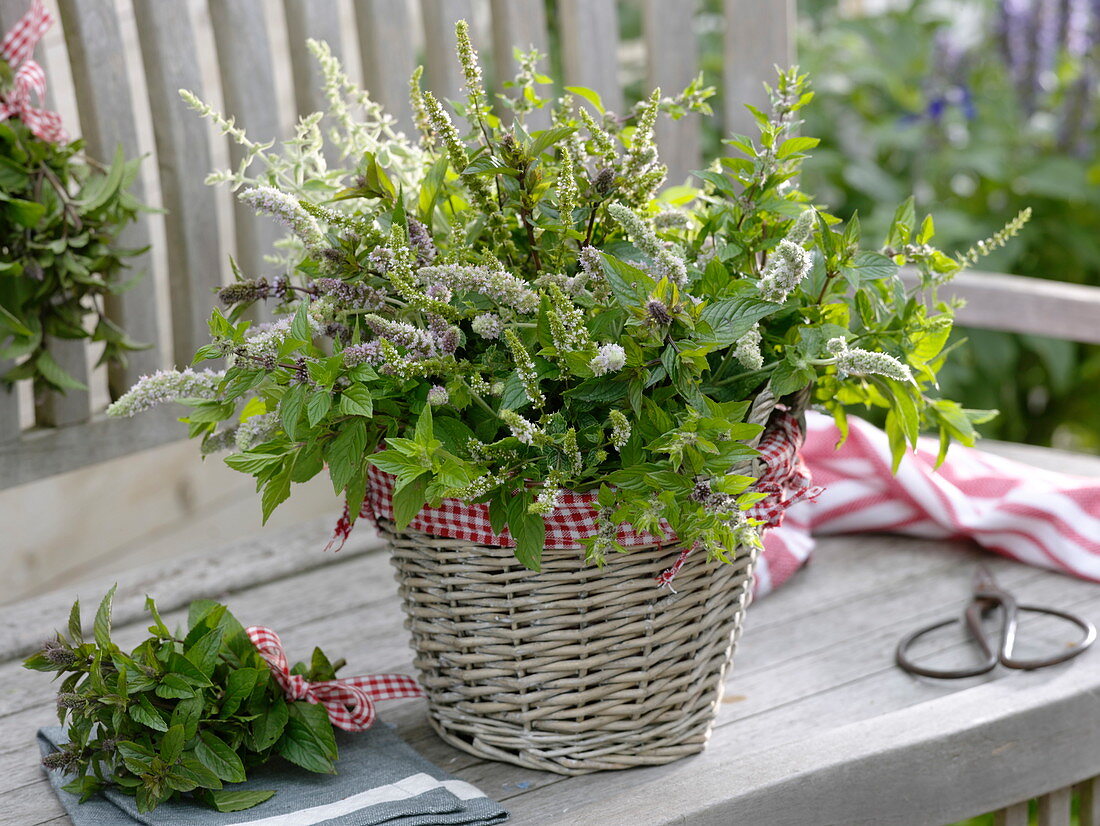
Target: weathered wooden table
[{"x": 817, "y": 725}]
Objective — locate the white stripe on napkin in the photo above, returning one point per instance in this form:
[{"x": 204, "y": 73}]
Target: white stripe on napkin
[{"x": 411, "y": 786}]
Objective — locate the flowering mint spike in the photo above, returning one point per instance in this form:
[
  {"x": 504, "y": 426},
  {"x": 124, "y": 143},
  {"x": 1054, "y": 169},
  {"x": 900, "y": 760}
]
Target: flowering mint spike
[
  {"x": 642, "y": 172},
  {"x": 504, "y": 288},
  {"x": 787, "y": 267},
  {"x": 471, "y": 67},
  {"x": 608, "y": 359},
  {"x": 620, "y": 429},
  {"x": 287, "y": 211},
  {"x": 526, "y": 369},
  {"x": 256, "y": 430},
  {"x": 854, "y": 361},
  {"x": 487, "y": 325},
  {"x": 443, "y": 127},
  {"x": 747, "y": 350},
  {"x": 567, "y": 188},
  {"x": 527, "y": 432},
  {"x": 803, "y": 226},
  {"x": 668, "y": 263},
  {"x": 996, "y": 240},
  {"x": 420, "y": 109},
  {"x": 166, "y": 386}
]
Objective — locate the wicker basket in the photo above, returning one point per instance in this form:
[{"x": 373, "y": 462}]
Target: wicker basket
[
  {"x": 574, "y": 669},
  {"x": 577, "y": 668}
]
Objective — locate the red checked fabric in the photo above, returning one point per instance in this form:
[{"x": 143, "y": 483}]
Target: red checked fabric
[
  {"x": 349, "y": 701},
  {"x": 785, "y": 480},
  {"x": 16, "y": 49}
]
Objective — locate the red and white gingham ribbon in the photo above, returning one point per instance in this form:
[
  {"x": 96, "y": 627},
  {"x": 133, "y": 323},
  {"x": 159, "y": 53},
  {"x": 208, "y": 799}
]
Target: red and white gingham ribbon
[
  {"x": 16, "y": 49},
  {"x": 349, "y": 701},
  {"x": 785, "y": 481}
]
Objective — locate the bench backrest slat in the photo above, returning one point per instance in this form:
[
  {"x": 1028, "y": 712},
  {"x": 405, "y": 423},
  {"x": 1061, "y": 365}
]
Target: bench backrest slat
[
  {"x": 589, "y": 31},
  {"x": 195, "y": 262},
  {"x": 519, "y": 24},
  {"x": 672, "y": 57},
  {"x": 248, "y": 91},
  {"x": 758, "y": 35},
  {"x": 387, "y": 55},
  {"x": 105, "y": 104},
  {"x": 442, "y": 72}
]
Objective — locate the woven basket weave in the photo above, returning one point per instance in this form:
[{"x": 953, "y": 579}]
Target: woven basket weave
[{"x": 577, "y": 668}]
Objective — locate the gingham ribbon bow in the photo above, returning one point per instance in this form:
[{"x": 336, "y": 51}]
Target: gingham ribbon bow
[
  {"x": 16, "y": 49},
  {"x": 349, "y": 701}
]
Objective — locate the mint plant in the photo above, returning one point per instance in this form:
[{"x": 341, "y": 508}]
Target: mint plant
[
  {"x": 182, "y": 713},
  {"x": 61, "y": 215},
  {"x": 499, "y": 315}
]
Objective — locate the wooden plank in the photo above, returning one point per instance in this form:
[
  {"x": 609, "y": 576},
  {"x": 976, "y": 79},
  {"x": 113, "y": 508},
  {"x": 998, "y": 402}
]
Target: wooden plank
[
  {"x": 388, "y": 56},
  {"x": 589, "y": 47},
  {"x": 1017, "y": 304},
  {"x": 54, "y": 409},
  {"x": 107, "y": 121},
  {"x": 442, "y": 71},
  {"x": 235, "y": 568},
  {"x": 43, "y": 452},
  {"x": 759, "y": 37},
  {"x": 1054, "y": 808},
  {"x": 1015, "y": 815},
  {"x": 1089, "y": 802},
  {"x": 672, "y": 60},
  {"x": 887, "y": 768},
  {"x": 320, "y": 20},
  {"x": 244, "y": 59},
  {"x": 183, "y": 158},
  {"x": 519, "y": 24}
]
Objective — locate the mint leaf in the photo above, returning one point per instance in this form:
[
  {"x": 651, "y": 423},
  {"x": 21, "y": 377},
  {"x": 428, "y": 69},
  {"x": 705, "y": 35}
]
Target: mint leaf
[
  {"x": 213, "y": 753},
  {"x": 228, "y": 800},
  {"x": 308, "y": 740}
]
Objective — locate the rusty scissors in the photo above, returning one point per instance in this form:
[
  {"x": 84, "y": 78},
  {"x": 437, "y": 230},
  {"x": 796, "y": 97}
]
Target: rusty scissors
[{"x": 988, "y": 597}]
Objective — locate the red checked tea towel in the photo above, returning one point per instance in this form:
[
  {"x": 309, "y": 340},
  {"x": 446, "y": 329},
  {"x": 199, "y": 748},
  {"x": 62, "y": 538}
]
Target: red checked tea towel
[{"x": 1035, "y": 516}]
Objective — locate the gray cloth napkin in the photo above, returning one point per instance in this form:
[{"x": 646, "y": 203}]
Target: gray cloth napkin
[{"x": 381, "y": 780}]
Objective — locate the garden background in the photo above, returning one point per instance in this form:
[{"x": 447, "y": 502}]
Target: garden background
[{"x": 979, "y": 107}]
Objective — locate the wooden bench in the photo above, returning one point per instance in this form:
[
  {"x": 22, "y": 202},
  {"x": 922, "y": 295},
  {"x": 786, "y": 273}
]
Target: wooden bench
[{"x": 817, "y": 725}]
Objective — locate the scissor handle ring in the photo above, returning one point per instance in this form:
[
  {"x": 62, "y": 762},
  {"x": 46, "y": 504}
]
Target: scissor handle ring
[
  {"x": 1087, "y": 629},
  {"x": 906, "y": 664}
]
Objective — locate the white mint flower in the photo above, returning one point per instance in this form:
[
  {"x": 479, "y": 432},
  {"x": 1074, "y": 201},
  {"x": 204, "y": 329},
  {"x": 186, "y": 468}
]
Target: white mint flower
[
  {"x": 438, "y": 395},
  {"x": 525, "y": 367},
  {"x": 502, "y": 287},
  {"x": 747, "y": 350},
  {"x": 527, "y": 432},
  {"x": 287, "y": 211},
  {"x": 854, "y": 361},
  {"x": 166, "y": 386},
  {"x": 608, "y": 359},
  {"x": 487, "y": 325},
  {"x": 667, "y": 263},
  {"x": 803, "y": 227},
  {"x": 256, "y": 429},
  {"x": 788, "y": 266},
  {"x": 547, "y": 501},
  {"x": 620, "y": 429}
]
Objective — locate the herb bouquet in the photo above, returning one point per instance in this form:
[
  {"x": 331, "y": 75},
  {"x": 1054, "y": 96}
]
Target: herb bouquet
[
  {"x": 62, "y": 215},
  {"x": 546, "y": 380}
]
